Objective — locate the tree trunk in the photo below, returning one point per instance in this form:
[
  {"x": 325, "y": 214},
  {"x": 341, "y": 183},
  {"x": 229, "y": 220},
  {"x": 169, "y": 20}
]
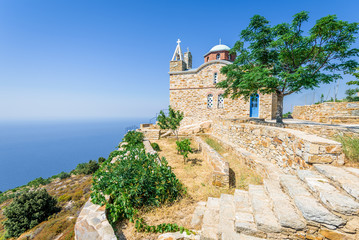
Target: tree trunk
[{"x": 279, "y": 113}]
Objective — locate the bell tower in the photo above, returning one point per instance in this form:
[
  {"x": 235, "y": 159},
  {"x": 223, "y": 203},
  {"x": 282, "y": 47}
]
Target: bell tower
[{"x": 177, "y": 63}]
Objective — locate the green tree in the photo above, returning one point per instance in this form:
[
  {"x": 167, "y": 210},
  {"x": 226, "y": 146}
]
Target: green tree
[
  {"x": 28, "y": 210},
  {"x": 172, "y": 121},
  {"x": 184, "y": 148},
  {"x": 282, "y": 60},
  {"x": 352, "y": 91}
]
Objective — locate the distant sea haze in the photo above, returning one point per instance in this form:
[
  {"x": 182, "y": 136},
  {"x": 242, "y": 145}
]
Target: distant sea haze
[{"x": 41, "y": 149}]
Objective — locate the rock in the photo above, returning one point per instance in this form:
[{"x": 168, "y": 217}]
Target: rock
[
  {"x": 332, "y": 235},
  {"x": 347, "y": 181},
  {"x": 329, "y": 195},
  {"x": 178, "y": 236},
  {"x": 283, "y": 209},
  {"x": 198, "y": 215},
  {"x": 311, "y": 209},
  {"x": 262, "y": 210}
]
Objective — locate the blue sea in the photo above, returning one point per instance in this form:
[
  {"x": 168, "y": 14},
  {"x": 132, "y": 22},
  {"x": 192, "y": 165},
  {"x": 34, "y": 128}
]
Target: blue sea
[{"x": 41, "y": 149}]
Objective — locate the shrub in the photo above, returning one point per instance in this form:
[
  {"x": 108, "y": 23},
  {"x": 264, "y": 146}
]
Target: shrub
[
  {"x": 137, "y": 180},
  {"x": 86, "y": 168},
  {"x": 350, "y": 147},
  {"x": 133, "y": 139},
  {"x": 63, "y": 175},
  {"x": 184, "y": 148},
  {"x": 172, "y": 121},
  {"x": 155, "y": 147},
  {"x": 38, "y": 181},
  {"x": 64, "y": 198},
  {"x": 101, "y": 160},
  {"x": 27, "y": 211}
]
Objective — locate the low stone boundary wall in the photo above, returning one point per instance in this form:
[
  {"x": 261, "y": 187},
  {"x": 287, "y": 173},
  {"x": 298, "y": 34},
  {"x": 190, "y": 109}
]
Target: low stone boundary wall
[
  {"x": 290, "y": 149},
  {"x": 220, "y": 166},
  {"x": 329, "y": 112},
  {"x": 92, "y": 223}
]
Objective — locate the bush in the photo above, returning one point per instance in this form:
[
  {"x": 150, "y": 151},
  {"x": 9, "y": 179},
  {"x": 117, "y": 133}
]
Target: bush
[
  {"x": 350, "y": 147},
  {"x": 87, "y": 168},
  {"x": 137, "y": 180},
  {"x": 64, "y": 198},
  {"x": 184, "y": 148},
  {"x": 27, "y": 211},
  {"x": 133, "y": 139},
  {"x": 101, "y": 160},
  {"x": 155, "y": 147},
  {"x": 38, "y": 181}
]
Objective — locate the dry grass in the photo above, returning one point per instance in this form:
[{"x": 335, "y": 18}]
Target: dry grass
[
  {"x": 196, "y": 175},
  {"x": 241, "y": 174},
  {"x": 74, "y": 192}
]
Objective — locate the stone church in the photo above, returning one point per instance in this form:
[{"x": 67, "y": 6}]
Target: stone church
[{"x": 193, "y": 91}]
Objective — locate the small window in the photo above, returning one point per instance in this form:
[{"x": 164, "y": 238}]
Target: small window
[
  {"x": 207, "y": 59},
  {"x": 218, "y": 56},
  {"x": 215, "y": 78},
  {"x": 209, "y": 101},
  {"x": 229, "y": 56},
  {"x": 220, "y": 101}
]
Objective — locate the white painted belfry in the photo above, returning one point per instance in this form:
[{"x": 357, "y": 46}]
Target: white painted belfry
[{"x": 177, "y": 55}]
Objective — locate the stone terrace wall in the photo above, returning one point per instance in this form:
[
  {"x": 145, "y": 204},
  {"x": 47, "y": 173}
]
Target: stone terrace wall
[
  {"x": 290, "y": 149},
  {"x": 328, "y": 112},
  {"x": 220, "y": 166}
]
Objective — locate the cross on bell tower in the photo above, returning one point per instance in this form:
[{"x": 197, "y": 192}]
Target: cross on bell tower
[{"x": 180, "y": 62}]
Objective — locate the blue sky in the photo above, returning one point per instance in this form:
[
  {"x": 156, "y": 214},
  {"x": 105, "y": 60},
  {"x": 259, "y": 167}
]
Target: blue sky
[{"x": 82, "y": 59}]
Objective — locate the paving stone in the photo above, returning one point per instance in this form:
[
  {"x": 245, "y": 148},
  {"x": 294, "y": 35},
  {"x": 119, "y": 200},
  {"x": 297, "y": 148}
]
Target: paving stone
[
  {"x": 244, "y": 219},
  {"x": 262, "y": 210},
  {"x": 347, "y": 181},
  {"x": 351, "y": 170},
  {"x": 211, "y": 219},
  {"x": 328, "y": 194},
  {"x": 226, "y": 215},
  {"x": 310, "y": 208},
  {"x": 198, "y": 215},
  {"x": 283, "y": 208}
]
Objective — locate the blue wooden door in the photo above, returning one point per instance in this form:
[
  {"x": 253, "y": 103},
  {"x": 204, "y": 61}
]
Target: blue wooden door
[{"x": 254, "y": 106}]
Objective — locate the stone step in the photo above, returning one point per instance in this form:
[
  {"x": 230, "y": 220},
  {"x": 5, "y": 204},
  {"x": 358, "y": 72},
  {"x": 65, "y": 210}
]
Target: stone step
[
  {"x": 226, "y": 216},
  {"x": 328, "y": 194},
  {"x": 283, "y": 209},
  {"x": 244, "y": 220},
  {"x": 198, "y": 213},
  {"x": 310, "y": 208},
  {"x": 238, "y": 236},
  {"x": 264, "y": 217},
  {"x": 351, "y": 170},
  {"x": 346, "y": 180},
  {"x": 211, "y": 219}
]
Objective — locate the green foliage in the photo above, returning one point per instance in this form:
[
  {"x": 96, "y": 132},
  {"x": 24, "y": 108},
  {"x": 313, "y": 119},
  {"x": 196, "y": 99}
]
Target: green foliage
[
  {"x": 86, "y": 168},
  {"x": 350, "y": 147},
  {"x": 133, "y": 139},
  {"x": 184, "y": 148},
  {"x": 137, "y": 180},
  {"x": 101, "y": 160},
  {"x": 282, "y": 60},
  {"x": 351, "y": 93},
  {"x": 288, "y": 114},
  {"x": 156, "y": 147},
  {"x": 172, "y": 121},
  {"x": 61, "y": 175},
  {"x": 38, "y": 181},
  {"x": 142, "y": 226},
  {"x": 27, "y": 211}
]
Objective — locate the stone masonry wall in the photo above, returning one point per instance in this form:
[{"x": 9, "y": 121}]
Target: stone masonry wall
[
  {"x": 290, "y": 149},
  {"x": 328, "y": 112},
  {"x": 220, "y": 174},
  {"x": 189, "y": 90}
]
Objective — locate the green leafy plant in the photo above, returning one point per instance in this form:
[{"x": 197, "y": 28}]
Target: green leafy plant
[
  {"x": 38, "y": 181},
  {"x": 142, "y": 226},
  {"x": 101, "y": 160},
  {"x": 27, "y": 211},
  {"x": 133, "y": 138},
  {"x": 351, "y": 93},
  {"x": 172, "y": 121},
  {"x": 287, "y": 115},
  {"x": 86, "y": 168},
  {"x": 281, "y": 60},
  {"x": 156, "y": 147},
  {"x": 184, "y": 148}
]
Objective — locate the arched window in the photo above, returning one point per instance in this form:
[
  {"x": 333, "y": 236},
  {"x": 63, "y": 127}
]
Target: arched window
[
  {"x": 218, "y": 56},
  {"x": 210, "y": 101},
  {"x": 215, "y": 78},
  {"x": 220, "y": 101},
  {"x": 229, "y": 56},
  {"x": 207, "y": 59}
]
